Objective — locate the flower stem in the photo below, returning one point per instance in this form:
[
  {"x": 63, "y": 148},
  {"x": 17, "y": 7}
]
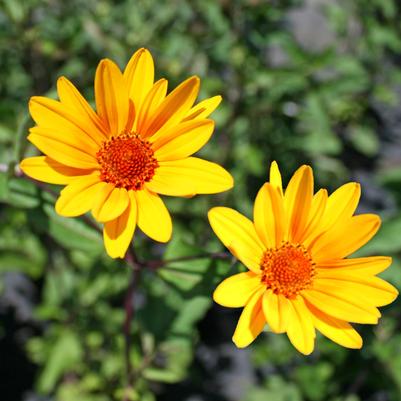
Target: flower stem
[{"x": 129, "y": 315}]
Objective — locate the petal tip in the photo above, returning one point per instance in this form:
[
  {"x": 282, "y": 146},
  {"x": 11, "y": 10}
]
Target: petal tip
[
  {"x": 22, "y": 164},
  {"x": 195, "y": 80},
  {"x": 143, "y": 50},
  {"x": 239, "y": 343},
  {"x": 274, "y": 164},
  {"x": 58, "y": 207},
  {"x": 106, "y": 63},
  {"x": 102, "y": 62},
  {"x": 211, "y": 214},
  {"x": 32, "y": 101},
  {"x": 215, "y": 296},
  {"x": 306, "y": 352},
  {"x": 62, "y": 79},
  {"x": 227, "y": 184},
  {"x": 116, "y": 255},
  {"x": 166, "y": 238}
]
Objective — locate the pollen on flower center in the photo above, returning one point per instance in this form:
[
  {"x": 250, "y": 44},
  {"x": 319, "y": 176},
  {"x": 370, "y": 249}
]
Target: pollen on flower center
[
  {"x": 287, "y": 270},
  {"x": 127, "y": 161}
]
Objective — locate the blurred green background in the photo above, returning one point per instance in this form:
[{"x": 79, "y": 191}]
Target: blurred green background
[{"x": 314, "y": 81}]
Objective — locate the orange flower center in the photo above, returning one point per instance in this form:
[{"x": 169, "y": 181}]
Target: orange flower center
[
  {"x": 287, "y": 270},
  {"x": 127, "y": 161}
]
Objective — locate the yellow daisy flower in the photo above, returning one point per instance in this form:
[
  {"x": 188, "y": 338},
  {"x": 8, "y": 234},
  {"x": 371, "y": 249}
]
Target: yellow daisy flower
[
  {"x": 299, "y": 278},
  {"x": 115, "y": 161}
]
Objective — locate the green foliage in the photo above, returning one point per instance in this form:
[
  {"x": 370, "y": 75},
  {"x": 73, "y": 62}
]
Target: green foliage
[
  {"x": 276, "y": 389},
  {"x": 285, "y": 99}
]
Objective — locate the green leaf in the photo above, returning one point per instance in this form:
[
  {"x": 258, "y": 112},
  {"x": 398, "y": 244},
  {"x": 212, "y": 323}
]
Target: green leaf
[
  {"x": 5, "y": 133},
  {"x": 190, "y": 313},
  {"x": 276, "y": 388},
  {"x": 4, "y": 186},
  {"x": 177, "y": 353},
  {"x": 365, "y": 140},
  {"x": 73, "y": 233},
  {"x": 388, "y": 353},
  {"x": 64, "y": 356},
  {"x": 13, "y": 261},
  {"x": 77, "y": 391},
  {"x": 22, "y": 193},
  {"x": 186, "y": 274},
  {"x": 20, "y": 250},
  {"x": 316, "y": 123},
  {"x": 314, "y": 379}
]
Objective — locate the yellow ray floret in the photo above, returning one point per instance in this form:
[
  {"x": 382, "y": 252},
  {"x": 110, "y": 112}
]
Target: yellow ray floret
[
  {"x": 115, "y": 161},
  {"x": 295, "y": 248}
]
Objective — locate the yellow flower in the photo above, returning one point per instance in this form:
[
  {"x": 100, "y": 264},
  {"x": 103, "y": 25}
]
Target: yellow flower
[
  {"x": 115, "y": 161},
  {"x": 299, "y": 278}
]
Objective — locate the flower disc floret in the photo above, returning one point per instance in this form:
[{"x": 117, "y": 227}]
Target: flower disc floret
[
  {"x": 287, "y": 270},
  {"x": 127, "y": 161}
]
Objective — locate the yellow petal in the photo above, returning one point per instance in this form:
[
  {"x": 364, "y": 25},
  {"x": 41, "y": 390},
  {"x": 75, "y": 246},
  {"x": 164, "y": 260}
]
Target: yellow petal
[
  {"x": 164, "y": 136},
  {"x": 337, "y": 330},
  {"x": 153, "y": 217},
  {"x": 112, "y": 102},
  {"x": 118, "y": 233},
  {"x": 348, "y": 308},
  {"x": 373, "y": 290},
  {"x": 203, "y": 109},
  {"x": 101, "y": 198},
  {"x": 276, "y": 309},
  {"x": 269, "y": 217},
  {"x": 64, "y": 150},
  {"x": 110, "y": 203},
  {"x": 152, "y": 100},
  {"x": 130, "y": 122},
  {"x": 75, "y": 138},
  {"x": 78, "y": 197},
  {"x": 341, "y": 204},
  {"x": 297, "y": 201},
  {"x": 49, "y": 113},
  {"x": 344, "y": 239},
  {"x": 236, "y": 290},
  {"x": 313, "y": 227},
  {"x": 42, "y": 168},
  {"x": 275, "y": 177},
  {"x": 238, "y": 234},
  {"x": 189, "y": 177},
  {"x": 139, "y": 76},
  {"x": 370, "y": 265},
  {"x": 251, "y": 321},
  {"x": 173, "y": 107},
  {"x": 300, "y": 329},
  {"x": 70, "y": 96},
  {"x": 187, "y": 139}
]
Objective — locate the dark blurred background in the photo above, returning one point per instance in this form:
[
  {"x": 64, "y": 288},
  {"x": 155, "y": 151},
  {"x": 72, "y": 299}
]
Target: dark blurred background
[{"x": 314, "y": 81}]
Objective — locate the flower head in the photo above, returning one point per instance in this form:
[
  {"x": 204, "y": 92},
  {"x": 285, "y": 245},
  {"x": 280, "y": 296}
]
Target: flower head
[
  {"x": 299, "y": 277},
  {"x": 138, "y": 144}
]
